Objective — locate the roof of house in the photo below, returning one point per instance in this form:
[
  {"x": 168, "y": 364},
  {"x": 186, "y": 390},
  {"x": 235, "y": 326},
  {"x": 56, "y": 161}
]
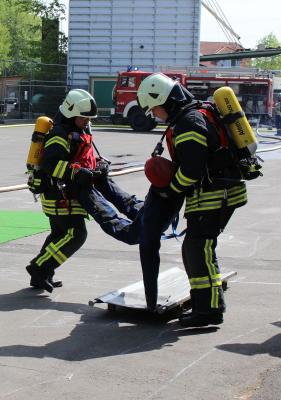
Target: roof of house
[{"x": 218, "y": 47}]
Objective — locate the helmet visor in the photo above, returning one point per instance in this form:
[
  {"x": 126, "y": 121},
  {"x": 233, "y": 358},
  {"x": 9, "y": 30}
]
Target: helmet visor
[
  {"x": 92, "y": 113},
  {"x": 146, "y": 101}
]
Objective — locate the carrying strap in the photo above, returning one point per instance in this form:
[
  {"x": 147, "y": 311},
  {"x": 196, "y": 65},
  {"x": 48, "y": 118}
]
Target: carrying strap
[
  {"x": 205, "y": 108},
  {"x": 210, "y": 115},
  {"x": 174, "y": 233},
  {"x": 232, "y": 117},
  {"x": 159, "y": 148},
  {"x": 99, "y": 154}
]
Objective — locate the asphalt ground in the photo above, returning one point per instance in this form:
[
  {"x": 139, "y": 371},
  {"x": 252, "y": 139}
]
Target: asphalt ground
[{"x": 54, "y": 346}]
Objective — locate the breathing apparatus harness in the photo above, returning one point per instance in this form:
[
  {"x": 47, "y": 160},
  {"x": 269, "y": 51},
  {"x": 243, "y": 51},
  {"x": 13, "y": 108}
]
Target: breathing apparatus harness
[
  {"x": 38, "y": 181},
  {"x": 247, "y": 164}
]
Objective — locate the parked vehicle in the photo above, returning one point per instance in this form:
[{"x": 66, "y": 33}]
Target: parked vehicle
[{"x": 253, "y": 89}]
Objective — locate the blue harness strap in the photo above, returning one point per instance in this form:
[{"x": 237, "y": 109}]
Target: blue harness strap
[{"x": 174, "y": 233}]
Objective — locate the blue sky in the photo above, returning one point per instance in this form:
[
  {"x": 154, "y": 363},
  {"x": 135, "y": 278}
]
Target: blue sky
[{"x": 250, "y": 19}]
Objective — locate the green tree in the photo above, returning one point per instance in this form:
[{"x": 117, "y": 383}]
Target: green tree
[
  {"x": 4, "y": 36},
  {"x": 50, "y": 15},
  {"x": 54, "y": 10},
  {"x": 268, "y": 63},
  {"x": 4, "y": 42},
  {"x": 22, "y": 31},
  {"x": 21, "y": 35}
]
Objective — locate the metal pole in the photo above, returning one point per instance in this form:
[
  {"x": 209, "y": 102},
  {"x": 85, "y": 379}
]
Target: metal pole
[
  {"x": 29, "y": 94},
  {"x": 4, "y": 90}
]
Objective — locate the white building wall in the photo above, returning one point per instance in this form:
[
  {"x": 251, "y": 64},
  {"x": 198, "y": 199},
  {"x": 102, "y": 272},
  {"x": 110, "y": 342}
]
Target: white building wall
[{"x": 105, "y": 36}]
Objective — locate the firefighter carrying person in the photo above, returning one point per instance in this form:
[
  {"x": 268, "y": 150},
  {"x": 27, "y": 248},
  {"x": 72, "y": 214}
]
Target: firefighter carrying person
[
  {"x": 195, "y": 147},
  {"x": 68, "y": 171}
]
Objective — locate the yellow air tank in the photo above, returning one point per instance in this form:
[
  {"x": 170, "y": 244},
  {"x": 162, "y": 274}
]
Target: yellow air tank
[
  {"x": 42, "y": 126},
  {"x": 241, "y": 131}
]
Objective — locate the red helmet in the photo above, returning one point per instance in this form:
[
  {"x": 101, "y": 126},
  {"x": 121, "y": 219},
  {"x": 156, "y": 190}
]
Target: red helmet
[{"x": 159, "y": 171}]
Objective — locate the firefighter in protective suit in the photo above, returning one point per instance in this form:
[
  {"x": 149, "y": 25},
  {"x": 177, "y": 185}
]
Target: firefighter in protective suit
[
  {"x": 69, "y": 169},
  {"x": 194, "y": 146}
]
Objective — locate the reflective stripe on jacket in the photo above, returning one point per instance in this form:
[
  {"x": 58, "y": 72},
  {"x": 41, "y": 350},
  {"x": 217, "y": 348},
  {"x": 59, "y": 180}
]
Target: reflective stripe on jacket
[
  {"x": 195, "y": 141},
  {"x": 212, "y": 200},
  {"x": 64, "y": 146},
  {"x": 61, "y": 207}
]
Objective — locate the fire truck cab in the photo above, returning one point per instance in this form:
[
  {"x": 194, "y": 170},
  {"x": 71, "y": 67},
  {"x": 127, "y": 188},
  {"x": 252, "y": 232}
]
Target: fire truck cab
[
  {"x": 125, "y": 100},
  {"x": 253, "y": 89}
]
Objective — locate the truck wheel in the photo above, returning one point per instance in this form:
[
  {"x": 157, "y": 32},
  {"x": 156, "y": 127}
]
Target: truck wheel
[{"x": 140, "y": 122}]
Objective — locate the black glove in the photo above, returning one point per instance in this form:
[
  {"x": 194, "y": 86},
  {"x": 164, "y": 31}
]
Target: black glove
[
  {"x": 103, "y": 167},
  {"x": 250, "y": 168},
  {"x": 83, "y": 177}
]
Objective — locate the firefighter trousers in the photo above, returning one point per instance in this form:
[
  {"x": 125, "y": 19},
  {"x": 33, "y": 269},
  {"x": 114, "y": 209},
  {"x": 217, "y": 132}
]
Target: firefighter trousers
[
  {"x": 96, "y": 201},
  {"x": 68, "y": 234},
  {"x": 200, "y": 260},
  {"x": 158, "y": 214}
]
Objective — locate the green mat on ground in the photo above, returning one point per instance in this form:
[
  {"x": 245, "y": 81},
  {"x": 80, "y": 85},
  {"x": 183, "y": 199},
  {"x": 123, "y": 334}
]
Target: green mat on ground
[{"x": 18, "y": 224}]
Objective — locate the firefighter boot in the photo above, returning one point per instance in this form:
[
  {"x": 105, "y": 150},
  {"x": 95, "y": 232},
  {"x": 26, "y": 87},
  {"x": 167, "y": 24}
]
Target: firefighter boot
[
  {"x": 55, "y": 284},
  {"x": 39, "y": 278},
  {"x": 197, "y": 320}
]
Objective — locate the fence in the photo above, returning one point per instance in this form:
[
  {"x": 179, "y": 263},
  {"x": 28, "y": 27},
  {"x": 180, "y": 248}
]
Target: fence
[{"x": 29, "y": 89}]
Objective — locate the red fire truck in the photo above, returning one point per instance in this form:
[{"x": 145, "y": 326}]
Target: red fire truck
[{"x": 253, "y": 89}]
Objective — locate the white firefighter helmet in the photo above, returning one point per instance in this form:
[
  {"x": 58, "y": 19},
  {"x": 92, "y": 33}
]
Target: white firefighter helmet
[
  {"x": 154, "y": 90},
  {"x": 79, "y": 103}
]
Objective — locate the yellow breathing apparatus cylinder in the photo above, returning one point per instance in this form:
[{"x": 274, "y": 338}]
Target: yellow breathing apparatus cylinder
[
  {"x": 42, "y": 126},
  {"x": 240, "y": 129}
]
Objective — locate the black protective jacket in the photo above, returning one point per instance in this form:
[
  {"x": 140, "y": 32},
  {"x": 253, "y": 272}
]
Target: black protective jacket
[
  {"x": 206, "y": 172},
  {"x": 61, "y": 146}
]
